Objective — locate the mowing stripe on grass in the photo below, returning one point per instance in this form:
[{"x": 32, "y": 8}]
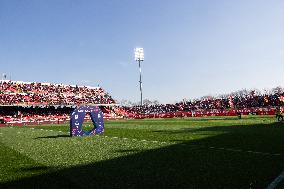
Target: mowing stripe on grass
[
  {"x": 196, "y": 145},
  {"x": 211, "y": 147},
  {"x": 276, "y": 181},
  {"x": 35, "y": 145},
  {"x": 105, "y": 136}
]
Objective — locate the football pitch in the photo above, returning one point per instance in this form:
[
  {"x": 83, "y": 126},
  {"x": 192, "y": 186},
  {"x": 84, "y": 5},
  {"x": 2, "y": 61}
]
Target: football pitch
[{"x": 212, "y": 152}]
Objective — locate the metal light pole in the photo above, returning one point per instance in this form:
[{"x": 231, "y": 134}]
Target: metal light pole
[{"x": 139, "y": 56}]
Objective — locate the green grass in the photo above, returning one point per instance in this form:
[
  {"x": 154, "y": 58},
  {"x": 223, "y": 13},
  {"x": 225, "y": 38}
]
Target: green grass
[{"x": 211, "y": 152}]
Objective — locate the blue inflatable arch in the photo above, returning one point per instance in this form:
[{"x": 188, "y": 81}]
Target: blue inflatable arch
[{"x": 77, "y": 120}]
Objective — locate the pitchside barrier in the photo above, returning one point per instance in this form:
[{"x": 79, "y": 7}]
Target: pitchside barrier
[
  {"x": 77, "y": 120},
  {"x": 200, "y": 113},
  {"x": 232, "y": 112}
]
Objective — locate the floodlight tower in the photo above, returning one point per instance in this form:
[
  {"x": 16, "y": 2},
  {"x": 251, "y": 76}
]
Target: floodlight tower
[{"x": 139, "y": 57}]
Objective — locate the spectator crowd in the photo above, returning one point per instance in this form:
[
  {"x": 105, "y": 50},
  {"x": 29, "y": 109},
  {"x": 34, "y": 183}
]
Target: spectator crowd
[
  {"x": 47, "y": 114},
  {"x": 17, "y": 93},
  {"x": 237, "y": 101},
  {"x": 27, "y": 102}
]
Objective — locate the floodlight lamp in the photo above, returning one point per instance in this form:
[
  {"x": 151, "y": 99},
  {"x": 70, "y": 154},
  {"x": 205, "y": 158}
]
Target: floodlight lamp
[{"x": 139, "y": 54}]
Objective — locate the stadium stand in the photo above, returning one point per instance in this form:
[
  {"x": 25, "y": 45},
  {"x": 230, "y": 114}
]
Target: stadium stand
[
  {"x": 34, "y": 102},
  {"x": 41, "y": 103},
  {"x": 31, "y": 93},
  {"x": 229, "y": 105}
]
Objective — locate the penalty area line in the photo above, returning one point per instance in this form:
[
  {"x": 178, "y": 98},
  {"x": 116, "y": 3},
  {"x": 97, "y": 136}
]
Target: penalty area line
[{"x": 276, "y": 181}]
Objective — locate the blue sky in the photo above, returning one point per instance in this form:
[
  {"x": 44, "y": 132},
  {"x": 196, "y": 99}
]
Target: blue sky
[{"x": 192, "y": 48}]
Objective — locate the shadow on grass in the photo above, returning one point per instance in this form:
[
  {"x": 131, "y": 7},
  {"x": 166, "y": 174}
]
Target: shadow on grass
[
  {"x": 229, "y": 129},
  {"x": 175, "y": 166},
  {"x": 266, "y": 137},
  {"x": 218, "y": 118},
  {"x": 35, "y": 168},
  {"x": 56, "y": 136},
  {"x": 212, "y": 118},
  {"x": 255, "y": 128}
]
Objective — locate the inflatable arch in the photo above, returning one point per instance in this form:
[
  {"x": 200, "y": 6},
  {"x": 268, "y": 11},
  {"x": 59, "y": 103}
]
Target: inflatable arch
[{"x": 77, "y": 120}]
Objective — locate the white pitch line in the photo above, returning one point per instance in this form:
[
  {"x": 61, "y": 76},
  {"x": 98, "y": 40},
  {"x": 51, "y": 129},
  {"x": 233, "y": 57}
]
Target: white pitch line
[
  {"x": 276, "y": 181},
  {"x": 211, "y": 147},
  {"x": 154, "y": 141},
  {"x": 277, "y": 154},
  {"x": 248, "y": 151},
  {"x": 233, "y": 150}
]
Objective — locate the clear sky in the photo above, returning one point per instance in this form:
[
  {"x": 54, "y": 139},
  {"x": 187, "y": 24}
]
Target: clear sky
[{"x": 192, "y": 48}]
